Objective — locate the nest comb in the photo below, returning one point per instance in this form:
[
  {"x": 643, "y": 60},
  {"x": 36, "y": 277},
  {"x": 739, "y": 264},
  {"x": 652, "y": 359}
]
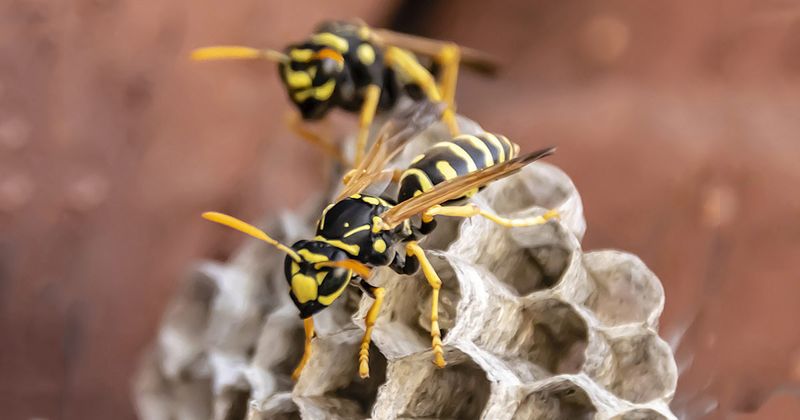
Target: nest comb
[{"x": 534, "y": 327}]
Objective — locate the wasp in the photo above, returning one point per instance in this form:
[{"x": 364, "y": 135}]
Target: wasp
[
  {"x": 359, "y": 232},
  {"x": 360, "y": 69}
]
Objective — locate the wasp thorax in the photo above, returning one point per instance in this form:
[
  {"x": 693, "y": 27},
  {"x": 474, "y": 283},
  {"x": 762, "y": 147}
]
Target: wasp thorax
[{"x": 314, "y": 286}]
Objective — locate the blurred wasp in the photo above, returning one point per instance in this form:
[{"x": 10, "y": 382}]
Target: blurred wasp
[
  {"x": 360, "y": 69},
  {"x": 360, "y": 231}
]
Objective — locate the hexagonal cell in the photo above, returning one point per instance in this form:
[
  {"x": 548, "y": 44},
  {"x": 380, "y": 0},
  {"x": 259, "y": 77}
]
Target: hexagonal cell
[
  {"x": 536, "y": 185},
  {"x": 330, "y": 379},
  {"x": 364, "y": 391},
  {"x": 403, "y": 325},
  {"x": 542, "y": 186},
  {"x": 640, "y": 414},
  {"x": 644, "y": 368},
  {"x": 446, "y": 232},
  {"x": 626, "y": 291},
  {"x": 562, "y": 399},
  {"x": 415, "y": 388},
  {"x": 551, "y": 334},
  {"x": 526, "y": 269}
]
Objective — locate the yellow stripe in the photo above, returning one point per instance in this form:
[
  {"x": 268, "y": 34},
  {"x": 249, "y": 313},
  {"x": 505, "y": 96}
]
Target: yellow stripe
[
  {"x": 446, "y": 169},
  {"x": 312, "y": 257},
  {"x": 325, "y": 91},
  {"x": 480, "y": 145},
  {"x": 302, "y": 95},
  {"x": 351, "y": 249},
  {"x": 304, "y": 288},
  {"x": 320, "y": 93},
  {"x": 327, "y": 300},
  {"x": 422, "y": 177},
  {"x": 297, "y": 79},
  {"x": 336, "y": 42},
  {"x": 325, "y": 212},
  {"x": 356, "y": 230},
  {"x": 501, "y": 154},
  {"x": 458, "y": 151},
  {"x": 418, "y": 158},
  {"x": 370, "y": 200},
  {"x": 301, "y": 55},
  {"x": 511, "y": 148}
]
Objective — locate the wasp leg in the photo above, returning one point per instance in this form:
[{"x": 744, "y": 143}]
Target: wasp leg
[
  {"x": 366, "y": 116},
  {"x": 328, "y": 147},
  {"x": 413, "y": 248},
  {"x": 408, "y": 265},
  {"x": 403, "y": 63},
  {"x": 308, "y": 324},
  {"x": 369, "y": 322},
  {"x": 469, "y": 210},
  {"x": 449, "y": 58}
]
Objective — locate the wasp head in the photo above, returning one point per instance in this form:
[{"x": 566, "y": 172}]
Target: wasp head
[
  {"x": 314, "y": 285},
  {"x": 311, "y": 75}
]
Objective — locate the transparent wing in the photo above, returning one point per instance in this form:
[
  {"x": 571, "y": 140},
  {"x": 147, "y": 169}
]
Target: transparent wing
[
  {"x": 393, "y": 136},
  {"x": 456, "y": 187},
  {"x": 475, "y": 59}
]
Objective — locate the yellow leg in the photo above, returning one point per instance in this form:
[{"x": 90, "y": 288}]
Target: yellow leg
[
  {"x": 405, "y": 65},
  {"x": 371, "y": 99},
  {"x": 412, "y": 248},
  {"x": 448, "y": 59},
  {"x": 308, "y": 324},
  {"x": 328, "y": 147},
  {"x": 369, "y": 321},
  {"x": 469, "y": 210}
]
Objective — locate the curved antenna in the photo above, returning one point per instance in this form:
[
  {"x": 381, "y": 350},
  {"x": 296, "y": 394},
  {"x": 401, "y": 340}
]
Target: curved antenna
[
  {"x": 235, "y": 52},
  {"x": 249, "y": 229}
]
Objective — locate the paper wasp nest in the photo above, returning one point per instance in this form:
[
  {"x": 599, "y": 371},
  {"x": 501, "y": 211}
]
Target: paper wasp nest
[{"x": 534, "y": 327}]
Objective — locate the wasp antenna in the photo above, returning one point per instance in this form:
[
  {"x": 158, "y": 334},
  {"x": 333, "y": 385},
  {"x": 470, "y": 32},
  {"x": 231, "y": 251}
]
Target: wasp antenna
[
  {"x": 249, "y": 229},
  {"x": 223, "y": 52}
]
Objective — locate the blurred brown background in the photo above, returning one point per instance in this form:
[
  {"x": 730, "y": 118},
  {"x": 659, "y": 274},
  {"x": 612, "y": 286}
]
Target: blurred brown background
[{"x": 678, "y": 121}]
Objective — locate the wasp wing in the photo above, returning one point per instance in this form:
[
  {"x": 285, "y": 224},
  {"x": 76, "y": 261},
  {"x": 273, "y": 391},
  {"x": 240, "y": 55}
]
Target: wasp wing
[
  {"x": 477, "y": 60},
  {"x": 456, "y": 187},
  {"x": 391, "y": 139}
]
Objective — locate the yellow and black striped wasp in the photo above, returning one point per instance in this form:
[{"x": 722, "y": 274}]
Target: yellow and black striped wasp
[
  {"x": 360, "y": 69},
  {"x": 359, "y": 232}
]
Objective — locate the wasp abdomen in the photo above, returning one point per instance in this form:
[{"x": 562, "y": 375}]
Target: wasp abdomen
[{"x": 453, "y": 158}]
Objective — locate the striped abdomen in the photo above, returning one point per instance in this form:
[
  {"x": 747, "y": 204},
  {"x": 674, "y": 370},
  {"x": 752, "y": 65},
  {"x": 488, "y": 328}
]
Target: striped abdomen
[{"x": 454, "y": 158}]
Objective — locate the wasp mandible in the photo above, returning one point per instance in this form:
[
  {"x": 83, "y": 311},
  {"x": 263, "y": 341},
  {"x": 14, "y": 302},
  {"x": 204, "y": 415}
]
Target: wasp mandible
[{"x": 359, "y": 231}]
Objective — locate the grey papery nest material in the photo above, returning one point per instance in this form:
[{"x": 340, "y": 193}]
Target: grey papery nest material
[{"x": 535, "y": 328}]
